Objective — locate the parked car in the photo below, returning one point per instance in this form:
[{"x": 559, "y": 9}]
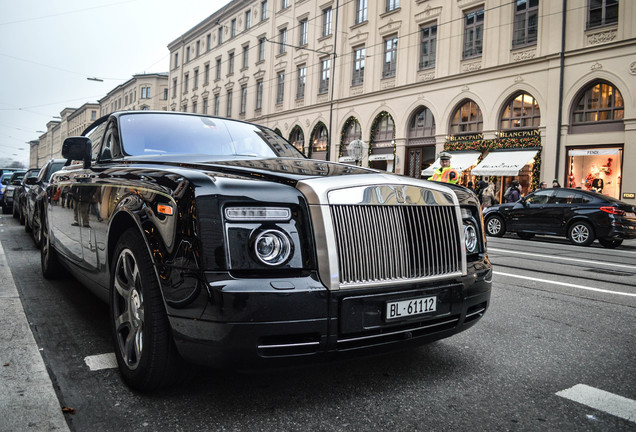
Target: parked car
[
  {"x": 217, "y": 242},
  {"x": 580, "y": 215},
  {"x": 34, "y": 198},
  {"x": 7, "y": 191},
  {"x": 20, "y": 192}
]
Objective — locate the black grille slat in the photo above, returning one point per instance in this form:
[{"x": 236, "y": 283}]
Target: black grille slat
[{"x": 377, "y": 243}]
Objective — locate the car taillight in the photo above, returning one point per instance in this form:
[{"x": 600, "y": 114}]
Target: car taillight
[{"x": 612, "y": 210}]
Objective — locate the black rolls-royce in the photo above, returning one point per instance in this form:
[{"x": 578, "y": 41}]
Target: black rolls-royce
[{"x": 215, "y": 241}]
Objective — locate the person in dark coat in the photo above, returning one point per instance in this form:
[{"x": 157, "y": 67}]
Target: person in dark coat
[{"x": 513, "y": 194}]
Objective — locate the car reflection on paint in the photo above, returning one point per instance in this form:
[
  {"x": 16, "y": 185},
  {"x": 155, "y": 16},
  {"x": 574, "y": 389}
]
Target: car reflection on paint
[{"x": 580, "y": 215}]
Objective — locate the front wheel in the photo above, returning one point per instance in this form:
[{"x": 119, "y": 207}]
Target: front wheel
[
  {"x": 145, "y": 351},
  {"x": 581, "y": 234},
  {"x": 51, "y": 268},
  {"x": 610, "y": 243},
  {"x": 36, "y": 226},
  {"x": 495, "y": 226}
]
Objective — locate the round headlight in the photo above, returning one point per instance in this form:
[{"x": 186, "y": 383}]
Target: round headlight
[
  {"x": 470, "y": 236},
  {"x": 272, "y": 247}
]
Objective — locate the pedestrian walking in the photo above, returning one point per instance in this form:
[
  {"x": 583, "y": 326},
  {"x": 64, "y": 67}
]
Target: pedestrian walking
[
  {"x": 488, "y": 197},
  {"x": 513, "y": 193}
]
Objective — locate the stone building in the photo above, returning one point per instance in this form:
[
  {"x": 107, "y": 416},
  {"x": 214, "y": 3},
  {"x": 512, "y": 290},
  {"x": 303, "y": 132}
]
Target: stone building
[
  {"x": 141, "y": 92},
  {"x": 514, "y": 89}
]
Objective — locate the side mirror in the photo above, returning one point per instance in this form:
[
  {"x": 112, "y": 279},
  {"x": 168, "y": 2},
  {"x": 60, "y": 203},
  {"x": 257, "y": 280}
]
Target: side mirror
[
  {"x": 77, "y": 148},
  {"x": 30, "y": 181}
]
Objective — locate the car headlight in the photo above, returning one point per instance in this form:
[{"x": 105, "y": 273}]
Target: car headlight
[
  {"x": 272, "y": 247},
  {"x": 471, "y": 238}
]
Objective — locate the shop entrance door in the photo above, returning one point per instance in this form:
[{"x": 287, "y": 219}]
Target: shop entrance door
[{"x": 418, "y": 158}]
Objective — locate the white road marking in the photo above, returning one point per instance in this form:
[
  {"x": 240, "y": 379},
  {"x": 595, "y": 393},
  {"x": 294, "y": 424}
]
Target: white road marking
[
  {"x": 563, "y": 258},
  {"x": 569, "y": 285},
  {"x": 101, "y": 361},
  {"x": 601, "y": 400}
]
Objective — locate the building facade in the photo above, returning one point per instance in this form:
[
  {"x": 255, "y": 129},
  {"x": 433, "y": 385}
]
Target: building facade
[
  {"x": 141, "y": 92},
  {"x": 530, "y": 89}
]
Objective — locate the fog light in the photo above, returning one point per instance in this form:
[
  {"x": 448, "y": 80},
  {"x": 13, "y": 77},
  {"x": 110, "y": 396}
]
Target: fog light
[
  {"x": 272, "y": 247},
  {"x": 470, "y": 236}
]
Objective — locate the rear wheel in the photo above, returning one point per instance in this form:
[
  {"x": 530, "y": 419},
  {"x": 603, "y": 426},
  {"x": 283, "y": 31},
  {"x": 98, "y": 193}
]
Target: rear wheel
[
  {"x": 145, "y": 351},
  {"x": 22, "y": 218},
  {"x": 36, "y": 226},
  {"x": 581, "y": 234},
  {"x": 495, "y": 226},
  {"x": 51, "y": 268},
  {"x": 610, "y": 243},
  {"x": 15, "y": 210}
]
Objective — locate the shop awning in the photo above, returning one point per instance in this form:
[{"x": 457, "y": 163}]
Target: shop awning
[
  {"x": 461, "y": 161},
  {"x": 504, "y": 163}
]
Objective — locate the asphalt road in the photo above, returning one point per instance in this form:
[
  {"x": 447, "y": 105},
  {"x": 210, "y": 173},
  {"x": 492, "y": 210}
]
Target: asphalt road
[{"x": 562, "y": 318}]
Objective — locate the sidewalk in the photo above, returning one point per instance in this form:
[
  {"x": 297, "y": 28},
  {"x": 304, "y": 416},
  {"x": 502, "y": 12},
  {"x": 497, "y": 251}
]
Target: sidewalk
[{"x": 27, "y": 398}]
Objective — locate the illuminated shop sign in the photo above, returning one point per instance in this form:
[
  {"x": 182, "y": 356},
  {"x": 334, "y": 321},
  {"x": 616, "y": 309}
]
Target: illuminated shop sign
[
  {"x": 475, "y": 137},
  {"x": 593, "y": 152},
  {"x": 519, "y": 134}
]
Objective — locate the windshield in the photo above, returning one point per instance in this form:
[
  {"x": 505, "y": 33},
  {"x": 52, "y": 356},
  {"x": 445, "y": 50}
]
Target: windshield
[{"x": 160, "y": 134}]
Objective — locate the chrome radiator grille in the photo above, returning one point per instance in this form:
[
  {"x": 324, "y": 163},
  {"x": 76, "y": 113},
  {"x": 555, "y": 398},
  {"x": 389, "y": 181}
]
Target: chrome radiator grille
[{"x": 378, "y": 243}]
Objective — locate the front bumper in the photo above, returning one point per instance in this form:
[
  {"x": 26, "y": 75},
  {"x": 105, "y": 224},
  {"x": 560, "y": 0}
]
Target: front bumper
[{"x": 257, "y": 322}]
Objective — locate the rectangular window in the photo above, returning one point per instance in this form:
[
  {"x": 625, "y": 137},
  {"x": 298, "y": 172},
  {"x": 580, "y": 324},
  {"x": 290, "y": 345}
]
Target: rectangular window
[
  {"x": 126, "y": 100},
  {"x": 205, "y": 106},
  {"x": 392, "y": 5},
  {"x": 303, "y": 28},
  {"x": 300, "y": 86},
  {"x": 186, "y": 83},
  {"x": 390, "y": 57},
  {"x": 198, "y": 48},
  {"x": 602, "y": 12},
  {"x": 187, "y": 54},
  {"x": 282, "y": 40},
  {"x": 325, "y": 73},
  {"x": 246, "y": 56},
  {"x": 264, "y": 10},
  {"x": 261, "y": 49},
  {"x": 174, "y": 88},
  {"x": 358, "y": 66},
  {"x": 230, "y": 64},
  {"x": 284, "y": 4},
  {"x": 196, "y": 79},
  {"x": 361, "y": 11},
  {"x": 233, "y": 28},
  {"x": 228, "y": 112},
  {"x": 280, "y": 87},
  {"x": 526, "y": 22},
  {"x": 93, "y": 115},
  {"x": 208, "y": 41},
  {"x": 218, "y": 68},
  {"x": 326, "y": 22},
  {"x": 165, "y": 94},
  {"x": 217, "y": 104},
  {"x": 428, "y": 44},
  {"x": 259, "y": 94},
  {"x": 176, "y": 60},
  {"x": 248, "y": 19},
  {"x": 206, "y": 74},
  {"x": 145, "y": 92},
  {"x": 243, "y": 99},
  {"x": 194, "y": 107},
  {"x": 220, "y": 36},
  {"x": 473, "y": 33}
]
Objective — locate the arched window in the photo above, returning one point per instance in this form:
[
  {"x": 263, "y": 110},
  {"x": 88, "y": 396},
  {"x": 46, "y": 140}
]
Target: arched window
[
  {"x": 599, "y": 107},
  {"x": 278, "y": 132},
  {"x": 422, "y": 124},
  {"x": 297, "y": 138},
  {"x": 352, "y": 131},
  {"x": 467, "y": 118},
  {"x": 319, "y": 139},
  {"x": 521, "y": 111},
  {"x": 384, "y": 129},
  {"x": 600, "y": 102}
]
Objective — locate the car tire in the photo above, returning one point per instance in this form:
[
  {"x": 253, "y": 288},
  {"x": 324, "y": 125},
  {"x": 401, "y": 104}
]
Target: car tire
[
  {"x": 146, "y": 353},
  {"x": 525, "y": 236},
  {"x": 15, "y": 211},
  {"x": 36, "y": 226},
  {"x": 610, "y": 243},
  {"x": 495, "y": 226},
  {"x": 581, "y": 234},
  {"x": 49, "y": 262}
]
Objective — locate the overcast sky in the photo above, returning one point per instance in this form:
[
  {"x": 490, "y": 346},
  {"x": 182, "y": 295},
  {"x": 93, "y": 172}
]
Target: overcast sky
[{"x": 49, "y": 47}]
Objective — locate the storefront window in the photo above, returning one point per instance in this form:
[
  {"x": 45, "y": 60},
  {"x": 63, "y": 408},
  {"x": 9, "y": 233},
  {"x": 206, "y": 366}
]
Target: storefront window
[
  {"x": 319, "y": 139},
  {"x": 297, "y": 138},
  {"x": 596, "y": 169},
  {"x": 601, "y": 102}
]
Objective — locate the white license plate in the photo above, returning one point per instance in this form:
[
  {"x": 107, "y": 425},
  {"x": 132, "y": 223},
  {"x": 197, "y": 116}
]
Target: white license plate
[
  {"x": 407, "y": 308},
  {"x": 630, "y": 214}
]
